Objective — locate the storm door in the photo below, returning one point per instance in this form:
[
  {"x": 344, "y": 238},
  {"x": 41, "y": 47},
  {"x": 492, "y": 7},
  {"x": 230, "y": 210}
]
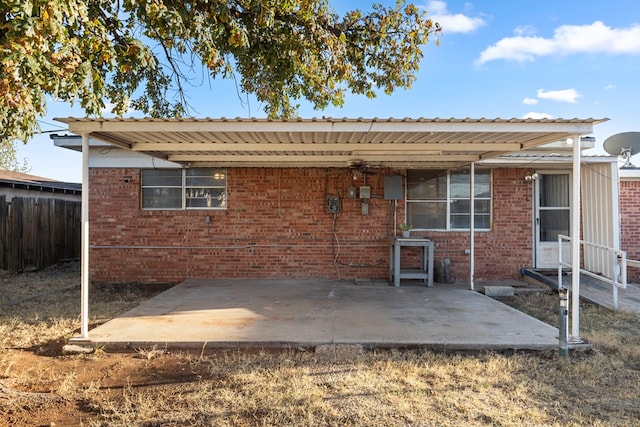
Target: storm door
[{"x": 552, "y": 217}]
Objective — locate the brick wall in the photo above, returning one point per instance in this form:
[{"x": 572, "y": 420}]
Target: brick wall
[
  {"x": 630, "y": 224},
  {"x": 276, "y": 226}
]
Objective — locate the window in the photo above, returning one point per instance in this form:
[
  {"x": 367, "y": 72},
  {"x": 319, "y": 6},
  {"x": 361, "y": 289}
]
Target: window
[
  {"x": 440, "y": 199},
  {"x": 195, "y": 188}
]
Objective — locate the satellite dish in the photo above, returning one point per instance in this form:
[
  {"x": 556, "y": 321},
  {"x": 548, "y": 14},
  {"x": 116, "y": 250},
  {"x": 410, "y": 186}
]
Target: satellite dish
[{"x": 624, "y": 144}]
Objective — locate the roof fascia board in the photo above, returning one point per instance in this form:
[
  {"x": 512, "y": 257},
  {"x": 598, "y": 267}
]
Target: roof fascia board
[
  {"x": 113, "y": 140},
  {"x": 629, "y": 174},
  {"x": 100, "y": 126},
  {"x": 74, "y": 142}
]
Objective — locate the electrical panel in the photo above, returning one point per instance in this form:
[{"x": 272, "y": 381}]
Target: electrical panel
[
  {"x": 365, "y": 192},
  {"x": 365, "y": 206},
  {"x": 393, "y": 187},
  {"x": 333, "y": 203},
  {"x": 351, "y": 192}
]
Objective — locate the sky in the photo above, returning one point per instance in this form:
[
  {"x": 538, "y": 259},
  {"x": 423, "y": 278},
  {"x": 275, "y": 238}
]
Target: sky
[{"x": 495, "y": 59}]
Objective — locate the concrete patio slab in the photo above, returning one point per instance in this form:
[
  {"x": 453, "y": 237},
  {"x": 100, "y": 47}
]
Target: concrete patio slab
[{"x": 311, "y": 312}]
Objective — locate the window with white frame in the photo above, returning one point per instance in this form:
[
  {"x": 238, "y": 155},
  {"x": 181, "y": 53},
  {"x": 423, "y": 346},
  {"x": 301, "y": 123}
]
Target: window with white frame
[
  {"x": 440, "y": 199},
  {"x": 193, "y": 188}
]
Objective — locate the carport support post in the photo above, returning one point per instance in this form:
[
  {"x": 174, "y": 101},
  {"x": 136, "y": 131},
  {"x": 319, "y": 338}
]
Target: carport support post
[
  {"x": 84, "y": 256},
  {"x": 575, "y": 243},
  {"x": 472, "y": 226}
]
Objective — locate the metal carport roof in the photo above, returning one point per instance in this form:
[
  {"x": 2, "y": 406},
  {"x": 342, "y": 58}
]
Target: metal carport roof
[{"x": 328, "y": 142}]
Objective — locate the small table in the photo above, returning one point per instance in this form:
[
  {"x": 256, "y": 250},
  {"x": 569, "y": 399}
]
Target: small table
[{"x": 424, "y": 272}]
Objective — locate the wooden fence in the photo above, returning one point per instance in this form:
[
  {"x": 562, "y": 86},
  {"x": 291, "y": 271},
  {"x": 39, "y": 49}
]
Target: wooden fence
[{"x": 36, "y": 233}]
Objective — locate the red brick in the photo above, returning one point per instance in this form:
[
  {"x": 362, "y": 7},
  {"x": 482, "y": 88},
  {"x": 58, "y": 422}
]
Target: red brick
[
  {"x": 276, "y": 225},
  {"x": 630, "y": 224}
]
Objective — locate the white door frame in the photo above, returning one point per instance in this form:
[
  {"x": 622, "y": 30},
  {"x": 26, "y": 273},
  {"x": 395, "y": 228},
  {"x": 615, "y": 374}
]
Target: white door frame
[{"x": 546, "y": 252}]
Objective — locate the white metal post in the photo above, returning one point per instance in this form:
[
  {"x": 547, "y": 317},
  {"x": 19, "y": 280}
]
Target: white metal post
[
  {"x": 472, "y": 233},
  {"x": 617, "y": 265},
  {"x": 84, "y": 274},
  {"x": 575, "y": 243}
]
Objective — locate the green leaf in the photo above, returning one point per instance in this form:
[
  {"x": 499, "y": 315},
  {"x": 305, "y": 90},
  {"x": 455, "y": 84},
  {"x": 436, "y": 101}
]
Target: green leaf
[{"x": 140, "y": 55}]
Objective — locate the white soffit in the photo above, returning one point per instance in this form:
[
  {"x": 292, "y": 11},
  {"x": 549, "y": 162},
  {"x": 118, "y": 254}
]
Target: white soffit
[{"x": 328, "y": 142}]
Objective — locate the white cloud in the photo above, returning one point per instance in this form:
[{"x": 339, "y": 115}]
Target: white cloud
[
  {"x": 610, "y": 86},
  {"x": 530, "y": 101},
  {"x": 566, "y": 40},
  {"x": 537, "y": 116},
  {"x": 517, "y": 49},
  {"x": 525, "y": 30},
  {"x": 452, "y": 23},
  {"x": 566, "y": 95}
]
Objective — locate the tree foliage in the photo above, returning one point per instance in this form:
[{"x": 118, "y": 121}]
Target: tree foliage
[
  {"x": 138, "y": 54},
  {"x": 9, "y": 159}
]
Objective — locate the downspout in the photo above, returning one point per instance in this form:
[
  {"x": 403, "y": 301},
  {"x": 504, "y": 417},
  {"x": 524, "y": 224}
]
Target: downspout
[
  {"x": 84, "y": 257},
  {"x": 472, "y": 264},
  {"x": 575, "y": 243}
]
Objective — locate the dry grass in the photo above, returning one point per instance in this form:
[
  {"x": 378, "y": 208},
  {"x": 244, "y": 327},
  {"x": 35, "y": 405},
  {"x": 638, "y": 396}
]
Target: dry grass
[
  {"x": 409, "y": 388},
  {"x": 599, "y": 387},
  {"x": 41, "y": 310}
]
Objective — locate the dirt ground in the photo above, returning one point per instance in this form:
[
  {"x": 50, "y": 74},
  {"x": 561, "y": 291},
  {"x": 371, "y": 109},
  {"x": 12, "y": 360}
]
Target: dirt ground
[
  {"x": 41, "y": 386},
  {"x": 38, "y": 398}
]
